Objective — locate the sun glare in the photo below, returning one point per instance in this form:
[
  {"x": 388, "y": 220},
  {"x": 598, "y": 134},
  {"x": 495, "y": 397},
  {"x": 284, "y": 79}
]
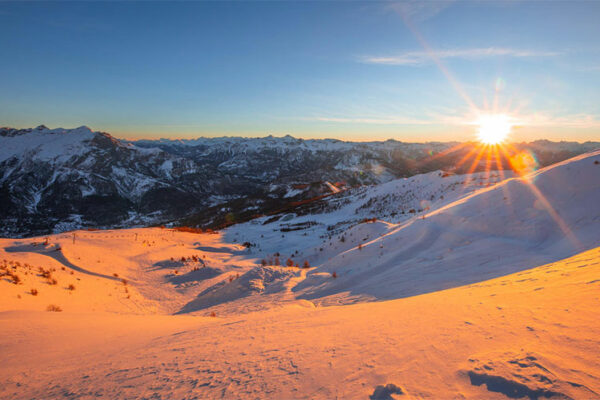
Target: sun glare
[{"x": 493, "y": 128}]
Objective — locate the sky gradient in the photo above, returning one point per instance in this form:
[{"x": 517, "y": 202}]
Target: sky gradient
[{"x": 411, "y": 71}]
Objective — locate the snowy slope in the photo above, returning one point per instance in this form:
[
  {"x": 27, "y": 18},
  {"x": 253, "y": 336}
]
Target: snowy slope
[
  {"x": 46, "y": 144},
  {"x": 313, "y": 233},
  {"x": 163, "y": 270},
  {"x": 545, "y": 216}
]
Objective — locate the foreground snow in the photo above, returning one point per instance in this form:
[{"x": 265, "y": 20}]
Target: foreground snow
[{"x": 533, "y": 333}]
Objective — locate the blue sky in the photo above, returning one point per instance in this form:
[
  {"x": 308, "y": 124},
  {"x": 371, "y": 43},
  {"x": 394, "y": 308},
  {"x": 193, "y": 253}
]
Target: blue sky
[{"x": 412, "y": 71}]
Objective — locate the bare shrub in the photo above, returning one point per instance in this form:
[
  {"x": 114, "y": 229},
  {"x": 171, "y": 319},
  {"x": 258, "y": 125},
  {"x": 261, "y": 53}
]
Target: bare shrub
[
  {"x": 15, "y": 278},
  {"x": 189, "y": 229},
  {"x": 71, "y": 287},
  {"x": 34, "y": 292},
  {"x": 53, "y": 308},
  {"x": 306, "y": 264}
]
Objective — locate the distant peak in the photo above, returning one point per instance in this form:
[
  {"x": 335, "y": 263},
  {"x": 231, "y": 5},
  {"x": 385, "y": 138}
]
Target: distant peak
[
  {"x": 41, "y": 128},
  {"x": 83, "y": 128}
]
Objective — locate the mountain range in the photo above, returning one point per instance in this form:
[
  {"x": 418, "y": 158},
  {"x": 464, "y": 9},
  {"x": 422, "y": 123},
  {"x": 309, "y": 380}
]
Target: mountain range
[{"x": 53, "y": 180}]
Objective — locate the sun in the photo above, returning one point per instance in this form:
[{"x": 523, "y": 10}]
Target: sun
[{"x": 493, "y": 128}]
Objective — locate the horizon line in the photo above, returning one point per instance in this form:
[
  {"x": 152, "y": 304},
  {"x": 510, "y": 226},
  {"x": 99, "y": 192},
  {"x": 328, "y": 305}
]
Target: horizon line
[{"x": 282, "y": 136}]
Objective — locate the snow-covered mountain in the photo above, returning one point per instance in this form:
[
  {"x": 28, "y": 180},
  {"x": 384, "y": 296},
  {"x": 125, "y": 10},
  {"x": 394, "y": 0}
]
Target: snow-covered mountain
[
  {"x": 56, "y": 179},
  {"x": 52, "y": 180}
]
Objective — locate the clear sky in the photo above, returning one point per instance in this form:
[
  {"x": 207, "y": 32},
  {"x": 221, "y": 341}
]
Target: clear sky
[{"x": 411, "y": 71}]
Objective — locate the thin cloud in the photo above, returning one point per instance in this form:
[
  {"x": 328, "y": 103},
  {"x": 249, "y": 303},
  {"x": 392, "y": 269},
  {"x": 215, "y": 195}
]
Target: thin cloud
[{"x": 415, "y": 58}]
